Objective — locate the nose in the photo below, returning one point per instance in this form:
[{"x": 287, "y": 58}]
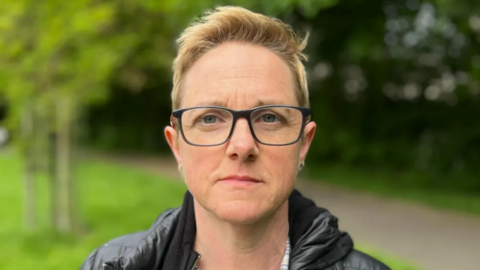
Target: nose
[{"x": 242, "y": 145}]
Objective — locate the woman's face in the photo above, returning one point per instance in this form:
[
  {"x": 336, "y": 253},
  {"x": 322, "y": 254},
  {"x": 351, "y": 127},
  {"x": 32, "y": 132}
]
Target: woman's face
[{"x": 240, "y": 181}]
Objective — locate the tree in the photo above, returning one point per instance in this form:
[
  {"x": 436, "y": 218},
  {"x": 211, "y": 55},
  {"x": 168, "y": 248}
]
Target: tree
[{"x": 55, "y": 57}]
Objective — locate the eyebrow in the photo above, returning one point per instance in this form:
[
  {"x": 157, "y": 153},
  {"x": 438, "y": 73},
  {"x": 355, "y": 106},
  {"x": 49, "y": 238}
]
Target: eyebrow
[
  {"x": 257, "y": 104},
  {"x": 210, "y": 103},
  {"x": 269, "y": 102}
]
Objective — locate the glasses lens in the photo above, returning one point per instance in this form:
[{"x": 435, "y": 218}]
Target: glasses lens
[
  {"x": 206, "y": 126},
  {"x": 277, "y": 125}
]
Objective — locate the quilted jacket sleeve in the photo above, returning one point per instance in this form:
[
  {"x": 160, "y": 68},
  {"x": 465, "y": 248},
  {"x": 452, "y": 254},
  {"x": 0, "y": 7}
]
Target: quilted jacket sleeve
[
  {"x": 102, "y": 257},
  {"x": 90, "y": 263},
  {"x": 357, "y": 260}
]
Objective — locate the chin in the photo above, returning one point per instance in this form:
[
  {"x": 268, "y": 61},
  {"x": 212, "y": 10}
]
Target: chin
[{"x": 240, "y": 213}]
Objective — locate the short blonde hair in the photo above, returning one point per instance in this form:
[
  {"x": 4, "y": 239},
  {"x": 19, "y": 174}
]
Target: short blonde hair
[{"x": 227, "y": 24}]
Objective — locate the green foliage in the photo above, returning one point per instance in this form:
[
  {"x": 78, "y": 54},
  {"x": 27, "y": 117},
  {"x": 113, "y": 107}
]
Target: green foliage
[
  {"x": 402, "y": 92},
  {"x": 57, "y": 50}
]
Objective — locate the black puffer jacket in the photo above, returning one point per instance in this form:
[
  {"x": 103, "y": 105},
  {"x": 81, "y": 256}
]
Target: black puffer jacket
[{"x": 317, "y": 243}]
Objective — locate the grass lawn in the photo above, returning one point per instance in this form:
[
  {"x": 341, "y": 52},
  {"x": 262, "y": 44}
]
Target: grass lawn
[
  {"x": 406, "y": 185},
  {"x": 115, "y": 200}
]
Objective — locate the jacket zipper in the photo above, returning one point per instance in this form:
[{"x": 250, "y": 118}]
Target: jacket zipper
[{"x": 194, "y": 267}]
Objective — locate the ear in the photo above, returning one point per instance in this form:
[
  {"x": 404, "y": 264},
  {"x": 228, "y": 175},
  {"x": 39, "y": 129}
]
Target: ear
[
  {"x": 172, "y": 139},
  {"x": 308, "y": 133}
]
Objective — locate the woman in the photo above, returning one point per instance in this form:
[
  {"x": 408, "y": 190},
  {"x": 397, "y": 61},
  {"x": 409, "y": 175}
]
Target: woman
[{"x": 240, "y": 132}]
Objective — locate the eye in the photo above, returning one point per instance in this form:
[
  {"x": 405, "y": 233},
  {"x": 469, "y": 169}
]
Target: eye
[
  {"x": 209, "y": 119},
  {"x": 269, "y": 118}
]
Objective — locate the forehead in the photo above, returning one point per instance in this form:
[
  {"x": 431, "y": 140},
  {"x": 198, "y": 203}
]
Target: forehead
[{"x": 239, "y": 75}]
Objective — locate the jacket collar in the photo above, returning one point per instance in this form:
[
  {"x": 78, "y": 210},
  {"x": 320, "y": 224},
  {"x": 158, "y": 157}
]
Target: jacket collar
[{"x": 316, "y": 239}]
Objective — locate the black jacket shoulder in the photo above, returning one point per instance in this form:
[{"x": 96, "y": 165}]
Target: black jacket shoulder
[{"x": 131, "y": 245}]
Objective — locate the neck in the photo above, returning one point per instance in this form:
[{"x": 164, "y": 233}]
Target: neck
[{"x": 223, "y": 245}]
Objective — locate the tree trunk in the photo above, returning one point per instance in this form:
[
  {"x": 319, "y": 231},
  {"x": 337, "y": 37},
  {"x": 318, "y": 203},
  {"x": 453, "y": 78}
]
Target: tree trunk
[
  {"x": 64, "y": 115},
  {"x": 27, "y": 128},
  {"x": 52, "y": 168}
]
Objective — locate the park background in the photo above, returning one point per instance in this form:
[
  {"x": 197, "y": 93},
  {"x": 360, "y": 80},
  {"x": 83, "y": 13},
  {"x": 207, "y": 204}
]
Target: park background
[{"x": 85, "y": 95}]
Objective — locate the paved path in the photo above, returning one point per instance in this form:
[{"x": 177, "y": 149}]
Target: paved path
[{"x": 429, "y": 238}]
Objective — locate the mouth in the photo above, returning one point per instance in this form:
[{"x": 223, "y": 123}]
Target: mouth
[{"x": 240, "y": 181}]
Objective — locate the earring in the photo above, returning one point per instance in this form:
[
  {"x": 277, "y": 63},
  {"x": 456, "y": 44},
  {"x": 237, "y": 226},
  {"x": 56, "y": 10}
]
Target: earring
[{"x": 300, "y": 167}]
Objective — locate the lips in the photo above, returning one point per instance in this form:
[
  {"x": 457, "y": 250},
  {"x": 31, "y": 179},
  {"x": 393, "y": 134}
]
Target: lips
[{"x": 240, "y": 181}]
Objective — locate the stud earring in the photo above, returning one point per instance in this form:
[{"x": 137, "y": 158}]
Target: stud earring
[
  {"x": 181, "y": 172},
  {"x": 300, "y": 167}
]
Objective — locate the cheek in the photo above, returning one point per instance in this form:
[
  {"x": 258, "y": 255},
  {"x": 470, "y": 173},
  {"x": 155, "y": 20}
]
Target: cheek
[
  {"x": 283, "y": 163},
  {"x": 199, "y": 162}
]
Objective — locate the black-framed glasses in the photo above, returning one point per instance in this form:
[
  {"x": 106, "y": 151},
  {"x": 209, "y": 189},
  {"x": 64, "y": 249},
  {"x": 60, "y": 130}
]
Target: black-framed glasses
[{"x": 274, "y": 125}]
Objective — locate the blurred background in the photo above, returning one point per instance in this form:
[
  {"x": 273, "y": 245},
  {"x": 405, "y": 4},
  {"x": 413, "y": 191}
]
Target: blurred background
[{"x": 85, "y": 95}]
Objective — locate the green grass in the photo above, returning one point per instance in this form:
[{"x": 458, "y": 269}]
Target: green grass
[
  {"x": 115, "y": 200},
  {"x": 411, "y": 186}
]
